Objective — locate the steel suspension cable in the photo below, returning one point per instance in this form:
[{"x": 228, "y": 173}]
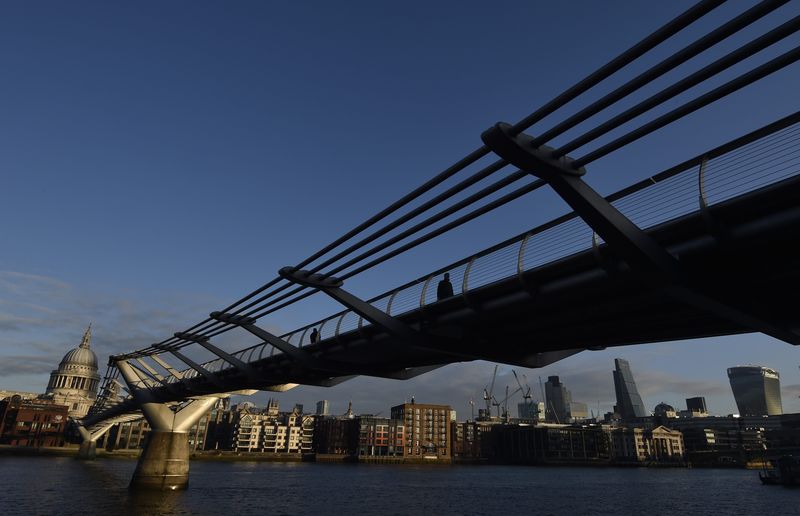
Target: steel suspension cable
[
  {"x": 666, "y": 31},
  {"x": 725, "y": 62},
  {"x": 726, "y": 89},
  {"x": 738, "y": 23}
]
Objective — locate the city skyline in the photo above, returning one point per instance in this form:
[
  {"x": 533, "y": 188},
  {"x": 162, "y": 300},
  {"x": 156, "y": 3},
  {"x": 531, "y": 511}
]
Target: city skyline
[
  {"x": 114, "y": 165},
  {"x": 373, "y": 396}
]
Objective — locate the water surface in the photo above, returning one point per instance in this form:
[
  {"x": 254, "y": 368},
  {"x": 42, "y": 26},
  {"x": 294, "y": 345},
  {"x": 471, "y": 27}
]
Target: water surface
[{"x": 48, "y": 485}]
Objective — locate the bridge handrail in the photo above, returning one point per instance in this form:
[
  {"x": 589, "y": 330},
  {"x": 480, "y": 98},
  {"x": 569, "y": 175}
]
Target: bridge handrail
[
  {"x": 524, "y": 237},
  {"x": 514, "y": 249}
]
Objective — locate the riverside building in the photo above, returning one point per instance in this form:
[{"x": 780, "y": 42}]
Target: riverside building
[
  {"x": 32, "y": 422},
  {"x": 659, "y": 444},
  {"x": 426, "y": 429}
]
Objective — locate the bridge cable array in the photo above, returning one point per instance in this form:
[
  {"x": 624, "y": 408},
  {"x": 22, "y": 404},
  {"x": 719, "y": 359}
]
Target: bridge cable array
[{"x": 280, "y": 293}]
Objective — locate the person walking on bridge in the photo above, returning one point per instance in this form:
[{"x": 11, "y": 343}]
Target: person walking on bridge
[{"x": 445, "y": 288}]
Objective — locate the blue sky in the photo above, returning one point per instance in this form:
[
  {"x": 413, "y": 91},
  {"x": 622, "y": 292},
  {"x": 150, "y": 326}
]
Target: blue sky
[{"x": 160, "y": 159}]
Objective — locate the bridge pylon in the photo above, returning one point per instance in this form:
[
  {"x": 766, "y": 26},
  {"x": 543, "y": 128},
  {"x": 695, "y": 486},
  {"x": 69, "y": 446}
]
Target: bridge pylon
[
  {"x": 88, "y": 447},
  {"x": 164, "y": 463}
]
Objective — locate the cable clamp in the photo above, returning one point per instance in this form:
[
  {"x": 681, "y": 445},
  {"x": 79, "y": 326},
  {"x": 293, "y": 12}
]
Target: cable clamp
[{"x": 518, "y": 150}]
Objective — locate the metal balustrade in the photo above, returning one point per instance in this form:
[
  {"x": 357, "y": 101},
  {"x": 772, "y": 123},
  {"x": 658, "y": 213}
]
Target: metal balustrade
[
  {"x": 761, "y": 158},
  {"x": 752, "y": 166}
]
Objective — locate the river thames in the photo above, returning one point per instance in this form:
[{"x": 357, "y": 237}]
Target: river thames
[{"x": 48, "y": 485}]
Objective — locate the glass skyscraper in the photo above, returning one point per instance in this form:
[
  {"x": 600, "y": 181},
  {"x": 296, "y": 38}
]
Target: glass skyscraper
[
  {"x": 560, "y": 407},
  {"x": 629, "y": 403},
  {"x": 757, "y": 390},
  {"x": 323, "y": 408}
]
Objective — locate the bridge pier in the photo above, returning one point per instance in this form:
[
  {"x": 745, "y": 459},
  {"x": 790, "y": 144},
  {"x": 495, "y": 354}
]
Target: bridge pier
[
  {"x": 88, "y": 447},
  {"x": 87, "y": 450},
  {"x": 164, "y": 463}
]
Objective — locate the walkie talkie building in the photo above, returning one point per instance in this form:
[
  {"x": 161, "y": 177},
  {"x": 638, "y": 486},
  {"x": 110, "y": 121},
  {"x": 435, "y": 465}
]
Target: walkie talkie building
[{"x": 757, "y": 390}]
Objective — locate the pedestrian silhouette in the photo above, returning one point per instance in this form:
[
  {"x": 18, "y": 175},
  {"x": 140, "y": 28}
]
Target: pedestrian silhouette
[
  {"x": 445, "y": 288},
  {"x": 314, "y": 336}
]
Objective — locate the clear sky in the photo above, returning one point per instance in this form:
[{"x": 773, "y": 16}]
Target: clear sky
[{"x": 160, "y": 159}]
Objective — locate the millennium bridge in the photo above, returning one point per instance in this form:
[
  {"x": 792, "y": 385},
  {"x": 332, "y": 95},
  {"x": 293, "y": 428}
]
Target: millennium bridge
[{"x": 704, "y": 248}]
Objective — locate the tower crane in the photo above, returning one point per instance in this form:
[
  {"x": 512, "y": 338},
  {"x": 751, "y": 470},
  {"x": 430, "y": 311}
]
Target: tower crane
[
  {"x": 487, "y": 395},
  {"x": 504, "y": 403},
  {"x": 526, "y": 394}
]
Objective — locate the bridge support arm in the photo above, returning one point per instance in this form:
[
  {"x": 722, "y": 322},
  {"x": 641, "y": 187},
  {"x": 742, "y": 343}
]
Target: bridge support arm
[
  {"x": 224, "y": 355},
  {"x": 333, "y": 287},
  {"x": 88, "y": 447},
  {"x": 305, "y": 359},
  {"x": 164, "y": 463},
  {"x": 642, "y": 252}
]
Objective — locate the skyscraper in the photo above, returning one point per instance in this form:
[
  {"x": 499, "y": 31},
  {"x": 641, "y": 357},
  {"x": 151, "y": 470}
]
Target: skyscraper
[
  {"x": 560, "y": 407},
  {"x": 629, "y": 403},
  {"x": 531, "y": 410},
  {"x": 757, "y": 390},
  {"x": 696, "y": 404},
  {"x": 557, "y": 397},
  {"x": 323, "y": 409}
]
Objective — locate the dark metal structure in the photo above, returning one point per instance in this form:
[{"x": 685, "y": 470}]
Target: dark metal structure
[{"x": 704, "y": 248}]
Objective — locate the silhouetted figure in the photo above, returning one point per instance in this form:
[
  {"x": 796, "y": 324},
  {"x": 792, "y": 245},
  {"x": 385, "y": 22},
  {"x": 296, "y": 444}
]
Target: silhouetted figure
[
  {"x": 314, "y": 336},
  {"x": 445, "y": 288}
]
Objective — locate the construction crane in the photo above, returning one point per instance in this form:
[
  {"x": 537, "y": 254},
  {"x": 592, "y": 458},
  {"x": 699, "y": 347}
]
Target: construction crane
[
  {"x": 526, "y": 394},
  {"x": 487, "y": 395},
  {"x": 504, "y": 404}
]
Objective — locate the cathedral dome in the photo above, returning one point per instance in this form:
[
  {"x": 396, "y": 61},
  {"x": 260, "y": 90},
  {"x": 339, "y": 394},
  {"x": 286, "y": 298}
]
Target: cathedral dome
[
  {"x": 79, "y": 356},
  {"x": 75, "y": 381},
  {"x": 82, "y": 356}
]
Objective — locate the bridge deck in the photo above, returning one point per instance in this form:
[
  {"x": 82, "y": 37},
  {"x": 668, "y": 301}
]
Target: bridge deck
[{"x": 749, "y": 261}]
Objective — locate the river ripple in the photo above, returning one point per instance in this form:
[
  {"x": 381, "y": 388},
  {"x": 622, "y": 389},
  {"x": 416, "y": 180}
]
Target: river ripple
[{"x": 48, "y": 485}]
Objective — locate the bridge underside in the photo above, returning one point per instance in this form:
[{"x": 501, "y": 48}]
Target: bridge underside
[{"x": 742, "y": 252}]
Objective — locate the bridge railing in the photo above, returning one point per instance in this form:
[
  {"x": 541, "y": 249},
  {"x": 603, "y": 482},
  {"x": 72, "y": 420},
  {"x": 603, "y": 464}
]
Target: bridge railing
[
  {"x": 707, "y": 179},
  {"x": 752, "y": 161}
]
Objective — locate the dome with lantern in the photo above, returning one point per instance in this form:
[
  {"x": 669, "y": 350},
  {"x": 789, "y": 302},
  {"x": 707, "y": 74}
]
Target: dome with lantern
[{"x": 75, "y": 381}]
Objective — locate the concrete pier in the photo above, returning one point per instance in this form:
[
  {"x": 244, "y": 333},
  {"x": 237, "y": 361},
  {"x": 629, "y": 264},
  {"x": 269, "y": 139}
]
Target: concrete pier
[
  {"x": 164, "y": 463},
  {"x": 88, "y": 450}
]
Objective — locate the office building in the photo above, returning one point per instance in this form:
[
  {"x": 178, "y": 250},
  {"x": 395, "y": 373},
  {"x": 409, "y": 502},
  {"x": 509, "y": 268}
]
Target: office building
[
  {"x": 696, "y": 404},
  {"x": 531, "y": 410},
  {"x": 556, "y": 396},
  {"x": 548, "y": 443},
  {"x": 559, "y": 405},
  {"x": 757, "y": 390},
  {"x": 639, "y": 444},
  {"x": 32, "y": 422},
  {"x": 427, "y": 429},
  {"x": 380, "y": 437},
  {"x": 323, "y": 408},
  {"x": 336, "y": 436},
  {"x": 629, "y": 403}
]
